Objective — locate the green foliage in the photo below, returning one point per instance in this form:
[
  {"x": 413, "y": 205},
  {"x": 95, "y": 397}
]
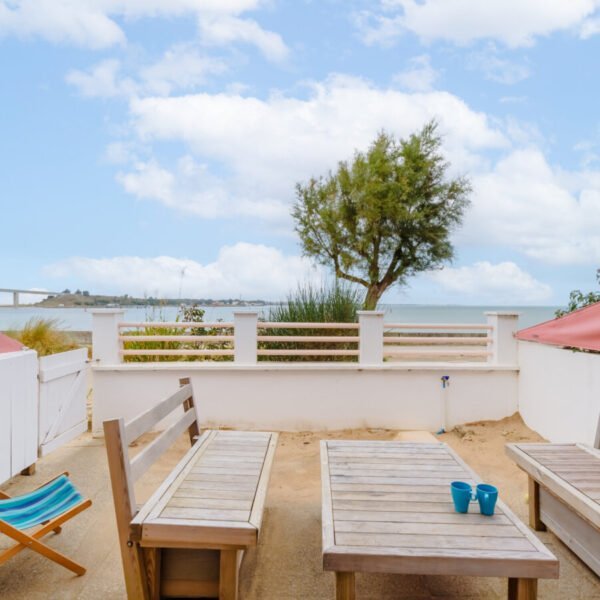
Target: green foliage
[
  {"x": 577, "y": 299},
  {"x": 386, "y": 216},
  {"x": 44, "y": 336},
  {"x": 310, "y": 304},
  {"x": 191, "y": 314}
]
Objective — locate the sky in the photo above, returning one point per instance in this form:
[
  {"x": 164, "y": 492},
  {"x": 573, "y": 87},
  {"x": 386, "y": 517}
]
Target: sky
[{"x": 152, "y": 147}]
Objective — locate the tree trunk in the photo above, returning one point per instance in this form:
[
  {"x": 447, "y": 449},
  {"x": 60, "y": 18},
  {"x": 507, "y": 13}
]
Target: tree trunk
[{"x": 372, "y": 297}]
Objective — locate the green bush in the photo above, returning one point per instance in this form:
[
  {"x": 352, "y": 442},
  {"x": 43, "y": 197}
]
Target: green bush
[
  {"x": 192, "y": 314},
  {"x": 311, "y": 304},
  {"x": 45, "y": 336}
]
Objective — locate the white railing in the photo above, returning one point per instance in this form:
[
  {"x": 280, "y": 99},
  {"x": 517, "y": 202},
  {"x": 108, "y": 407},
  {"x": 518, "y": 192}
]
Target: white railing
[
  {"x": 193, "y": 344},
  {"x": 245, "y": 340},
  {"x": 462, "y": 344}
]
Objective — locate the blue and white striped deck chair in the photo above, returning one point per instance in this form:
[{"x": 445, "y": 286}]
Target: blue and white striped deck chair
[{"x": 45, "y": 509}]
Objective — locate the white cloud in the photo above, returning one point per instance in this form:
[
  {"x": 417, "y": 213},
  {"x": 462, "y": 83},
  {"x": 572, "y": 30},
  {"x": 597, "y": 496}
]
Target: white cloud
[
  {"x": 95, "y": 23},
  {"x": 246, "y": 270},
  {"x": 419, "y": 76},
  {"x": 182, "y": 67},
  {"x": 502, "y": 283},
  {"x": 102, "y": 81},
  {"x": 512, "y": 22},
  {"x": 525, "y": 204},
  {"x": 190, "y": 187},
  {"x": 266, "y": 146},
  {"x": 223, "y": 30},
  {"x": 495, "y": 68}
]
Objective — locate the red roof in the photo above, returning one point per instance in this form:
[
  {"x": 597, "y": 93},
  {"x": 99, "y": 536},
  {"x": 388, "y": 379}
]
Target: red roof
[
  {"x": 8, "y": 344},
  {"x": 579, "y": 329}
]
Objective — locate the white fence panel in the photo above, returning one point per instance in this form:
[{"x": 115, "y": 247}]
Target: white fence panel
[
  {"x": 63, "y": 386},
  {"x": 18, "y": 412}
]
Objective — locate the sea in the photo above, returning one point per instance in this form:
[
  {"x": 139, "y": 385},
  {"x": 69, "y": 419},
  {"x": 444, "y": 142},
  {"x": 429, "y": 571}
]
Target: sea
[{"x": 80, "y": 319}]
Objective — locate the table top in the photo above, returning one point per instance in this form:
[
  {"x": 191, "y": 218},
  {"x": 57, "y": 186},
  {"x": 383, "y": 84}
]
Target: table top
[
  {"x": 387, "y": 508},
  {"x": 214, "y": 497},
  {"x": 569, "y": 471}
]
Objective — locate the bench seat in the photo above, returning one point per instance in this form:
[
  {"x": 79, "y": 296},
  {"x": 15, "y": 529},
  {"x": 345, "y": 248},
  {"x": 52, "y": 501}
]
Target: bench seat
[
  {"x": 564, "y": 494},
  {"x": 187, "y": 540}
]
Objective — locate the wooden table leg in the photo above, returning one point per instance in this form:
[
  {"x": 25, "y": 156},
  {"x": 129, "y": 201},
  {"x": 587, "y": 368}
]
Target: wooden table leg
[
  {"x": 534, "y": 506},
  {"x": 344, "y": 586},
  {"x": 522, "y": 589},
  {"x": 228, "y": 575}
]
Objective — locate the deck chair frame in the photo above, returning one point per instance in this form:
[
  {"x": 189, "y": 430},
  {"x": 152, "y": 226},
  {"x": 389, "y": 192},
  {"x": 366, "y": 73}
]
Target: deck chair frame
[
  {"x": 32, "y": 541},
  {"x": 140, "y": 565}
]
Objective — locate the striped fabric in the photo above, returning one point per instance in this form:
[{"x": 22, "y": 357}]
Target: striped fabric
[{"x": 41, "y": 505}]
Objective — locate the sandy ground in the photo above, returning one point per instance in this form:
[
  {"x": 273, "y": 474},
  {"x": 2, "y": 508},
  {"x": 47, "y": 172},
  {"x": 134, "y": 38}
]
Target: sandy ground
[{"x": 287, "y": 562}]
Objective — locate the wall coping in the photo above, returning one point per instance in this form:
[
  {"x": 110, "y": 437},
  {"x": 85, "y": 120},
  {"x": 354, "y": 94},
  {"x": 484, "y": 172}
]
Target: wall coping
[{"x": 352, "y": 367}]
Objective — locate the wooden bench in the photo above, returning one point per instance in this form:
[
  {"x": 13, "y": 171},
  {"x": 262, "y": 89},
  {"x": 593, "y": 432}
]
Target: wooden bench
[
  {"x": 564, "y": 494},
  {"x": 188, "y": 539},
  {"x": 387, "y": 508}
]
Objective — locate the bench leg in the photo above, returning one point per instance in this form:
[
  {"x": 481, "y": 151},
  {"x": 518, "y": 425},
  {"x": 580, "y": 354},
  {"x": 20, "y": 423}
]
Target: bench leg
[
  {"x": 522, "y": 589},
  {"x": 344, "y": 586},
  {"x": 534, "y": 506},
  {"x": 228, "y": 575}
]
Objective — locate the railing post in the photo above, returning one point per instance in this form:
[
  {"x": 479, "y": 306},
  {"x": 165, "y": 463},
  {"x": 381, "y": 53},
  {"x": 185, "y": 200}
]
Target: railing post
[
  {"x": 105, "y": 335},
  {"x": 504, "y": 344},
  {"x": 370, "y": 344},
  {"x": 245, "y": 326}
]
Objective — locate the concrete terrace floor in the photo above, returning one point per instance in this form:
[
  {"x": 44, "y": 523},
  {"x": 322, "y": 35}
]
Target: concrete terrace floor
[{"x": 287, "y": 562}]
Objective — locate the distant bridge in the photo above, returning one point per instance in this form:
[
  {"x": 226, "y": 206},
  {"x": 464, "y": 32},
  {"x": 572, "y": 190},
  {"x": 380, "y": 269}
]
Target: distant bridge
[{"x": 16, "y": 293}]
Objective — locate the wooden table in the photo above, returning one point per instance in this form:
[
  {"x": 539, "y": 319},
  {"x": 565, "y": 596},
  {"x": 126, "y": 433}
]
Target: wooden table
[
  {"x": 206, "y": 512},
  {"x": 564, "y": 494},
  {"x": 387, "y": 508}
]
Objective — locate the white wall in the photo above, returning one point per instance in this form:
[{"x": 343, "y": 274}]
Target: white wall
[
  {"x": 312, "y": 397},
  {"x": 559, "y": 392},
  {"x": 18, "y": 412}
]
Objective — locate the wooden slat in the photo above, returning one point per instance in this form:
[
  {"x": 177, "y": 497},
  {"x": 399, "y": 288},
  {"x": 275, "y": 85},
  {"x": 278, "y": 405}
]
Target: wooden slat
[
  {"x": 204, "y": 514},
  {"x": 145, "y": 352},
  {"x": 448, "y": 326},
  {"x": 455, "y": 528},
  {"x": 271, "y": 325},
  {"x": 263, "y": 483},
  {"x": 337, "y": 339},
  {"x": 176, "y": 338},
  {"x": 440, "y": 542},
  {"x": 144, "y": 460},
  {"x": 148, "y": 419},
  {"x": 428, "y": 340},
  {"x": 326, "y": 500},
  {"x": 307, "y": 352},
  {"x": 176, "y": 325}
]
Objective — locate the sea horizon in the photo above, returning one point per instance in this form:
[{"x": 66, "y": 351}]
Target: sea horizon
[{"x": 80, "y": 319}]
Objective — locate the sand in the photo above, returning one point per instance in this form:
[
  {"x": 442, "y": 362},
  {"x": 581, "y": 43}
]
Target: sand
[{"x": 286, "y": 565}]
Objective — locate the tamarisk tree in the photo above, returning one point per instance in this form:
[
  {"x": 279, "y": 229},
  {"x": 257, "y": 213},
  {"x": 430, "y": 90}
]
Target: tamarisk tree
[{"x": 385, "y": 216}]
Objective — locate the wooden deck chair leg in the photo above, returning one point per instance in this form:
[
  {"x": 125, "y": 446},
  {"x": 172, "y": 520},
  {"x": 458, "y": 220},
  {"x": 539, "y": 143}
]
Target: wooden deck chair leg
[
  {"x": 37, "y": 546},
  {"x": 52, "y": 525}
]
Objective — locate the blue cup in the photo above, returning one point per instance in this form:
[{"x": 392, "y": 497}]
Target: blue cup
[
  {"x": 487, "y": 495},
  {"x": 462, "y": 495}
]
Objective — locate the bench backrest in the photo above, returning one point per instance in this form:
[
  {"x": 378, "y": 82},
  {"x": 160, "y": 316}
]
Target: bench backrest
[{"x": 118, "y": 435}]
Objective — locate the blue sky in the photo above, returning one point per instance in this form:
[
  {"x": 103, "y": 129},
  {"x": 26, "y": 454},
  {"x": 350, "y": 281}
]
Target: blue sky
[{"x": 154, "y": 145}]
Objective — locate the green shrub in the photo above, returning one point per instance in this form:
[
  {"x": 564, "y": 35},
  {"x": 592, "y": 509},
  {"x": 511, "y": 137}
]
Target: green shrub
[
  {"x": 45, "y": 336},
  {"x": 311, "y": 304},
  {"x": 192, "y": 314}
]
